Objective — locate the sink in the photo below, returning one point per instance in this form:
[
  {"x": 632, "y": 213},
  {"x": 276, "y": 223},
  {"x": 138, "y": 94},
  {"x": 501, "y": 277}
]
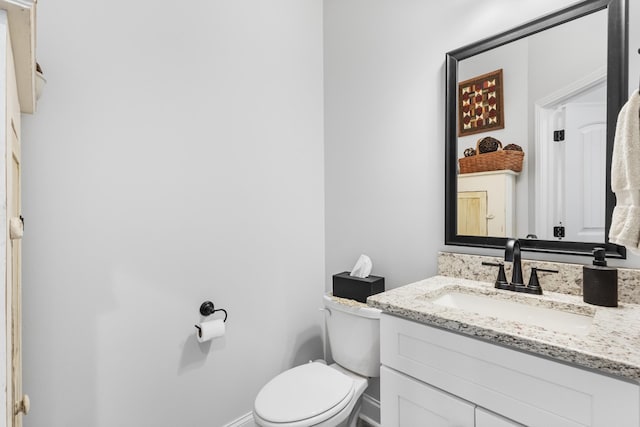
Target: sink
[{"x": 511, "y": 310}]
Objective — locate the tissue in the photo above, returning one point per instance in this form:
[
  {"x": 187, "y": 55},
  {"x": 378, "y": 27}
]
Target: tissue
[{"x": 362, "y": 268}]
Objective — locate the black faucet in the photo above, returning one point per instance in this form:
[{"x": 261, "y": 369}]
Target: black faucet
[{"x": 512, "y": 254}]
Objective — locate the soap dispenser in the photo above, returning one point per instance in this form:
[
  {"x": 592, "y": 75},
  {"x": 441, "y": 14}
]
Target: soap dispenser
[{"x": 599, "y": 282}]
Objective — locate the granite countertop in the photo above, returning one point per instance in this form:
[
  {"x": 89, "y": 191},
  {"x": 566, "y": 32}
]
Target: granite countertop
[{"x": 611, "y": 344}]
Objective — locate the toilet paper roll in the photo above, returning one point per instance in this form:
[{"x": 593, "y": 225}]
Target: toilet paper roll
[{"x": 208, "y": 330}]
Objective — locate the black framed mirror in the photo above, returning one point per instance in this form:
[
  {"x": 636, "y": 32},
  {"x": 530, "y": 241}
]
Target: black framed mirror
[{"x": 610, "y": 82}]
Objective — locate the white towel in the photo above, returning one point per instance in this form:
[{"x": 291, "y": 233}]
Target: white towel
[{"x": 625, "y": 176}]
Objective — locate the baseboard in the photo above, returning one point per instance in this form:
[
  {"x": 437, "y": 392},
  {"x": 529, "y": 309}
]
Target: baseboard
[
  {"x": 370, "y": 410},
  {"x": 244, "y": 421}
]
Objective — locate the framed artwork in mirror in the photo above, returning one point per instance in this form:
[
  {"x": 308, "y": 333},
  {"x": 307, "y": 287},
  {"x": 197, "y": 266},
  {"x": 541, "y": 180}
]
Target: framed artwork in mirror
[{"x": 480, "y": 104}]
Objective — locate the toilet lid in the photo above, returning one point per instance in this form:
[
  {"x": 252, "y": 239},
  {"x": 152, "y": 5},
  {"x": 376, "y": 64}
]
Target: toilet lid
[{"x": 303, "y": 392}]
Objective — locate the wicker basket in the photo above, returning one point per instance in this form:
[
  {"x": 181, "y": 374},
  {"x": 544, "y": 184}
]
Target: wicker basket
[{"x": 494, "y": 161}]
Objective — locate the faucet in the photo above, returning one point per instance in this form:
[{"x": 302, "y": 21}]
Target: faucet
[{"x": 512, "y": 254}]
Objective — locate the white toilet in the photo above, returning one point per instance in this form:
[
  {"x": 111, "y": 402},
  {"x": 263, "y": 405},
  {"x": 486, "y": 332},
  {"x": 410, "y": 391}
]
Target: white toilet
[{"x": 315, "y": 394}]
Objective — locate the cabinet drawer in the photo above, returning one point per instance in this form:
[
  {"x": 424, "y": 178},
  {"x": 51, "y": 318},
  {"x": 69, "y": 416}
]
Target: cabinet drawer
[
  {"x": 489, "y": 419},
  {"x": 525, "y": 388},
  {"x": 410, "y": 403}
]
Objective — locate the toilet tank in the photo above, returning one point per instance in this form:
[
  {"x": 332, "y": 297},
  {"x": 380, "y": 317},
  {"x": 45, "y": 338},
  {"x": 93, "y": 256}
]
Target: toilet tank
[{"x": 354, "y": 336}]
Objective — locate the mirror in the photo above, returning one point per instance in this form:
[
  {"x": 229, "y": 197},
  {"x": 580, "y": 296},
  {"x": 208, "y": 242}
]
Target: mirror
[{"x": 548, "y": 93}]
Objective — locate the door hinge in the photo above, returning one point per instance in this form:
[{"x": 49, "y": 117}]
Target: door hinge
[{"x": 558, "y": 135}]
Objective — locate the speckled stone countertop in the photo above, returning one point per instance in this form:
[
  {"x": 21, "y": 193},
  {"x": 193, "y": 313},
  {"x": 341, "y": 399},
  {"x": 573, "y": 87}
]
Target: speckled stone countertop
[
  {"x": 567, "y": 281},
  {"x": 612, "y": 344}
]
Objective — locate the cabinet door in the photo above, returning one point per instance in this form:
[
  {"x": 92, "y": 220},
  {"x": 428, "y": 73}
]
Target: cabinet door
[
  {"x": 406, "y": 402},
  {"x": 472, "y": 213},
  {"x": 485, "y": 418}
]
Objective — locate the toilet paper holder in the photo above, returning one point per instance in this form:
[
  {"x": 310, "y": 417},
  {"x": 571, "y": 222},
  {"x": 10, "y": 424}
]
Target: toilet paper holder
[{"x": 207, "y": 309}]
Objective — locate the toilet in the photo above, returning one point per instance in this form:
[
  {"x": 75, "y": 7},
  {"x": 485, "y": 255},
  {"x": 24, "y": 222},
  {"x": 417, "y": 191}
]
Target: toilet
[{"x": 321, "y": 395}]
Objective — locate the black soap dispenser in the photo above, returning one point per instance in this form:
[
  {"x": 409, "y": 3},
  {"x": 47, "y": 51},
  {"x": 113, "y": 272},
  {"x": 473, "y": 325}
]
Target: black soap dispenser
[{"x": 599, "y": 282}]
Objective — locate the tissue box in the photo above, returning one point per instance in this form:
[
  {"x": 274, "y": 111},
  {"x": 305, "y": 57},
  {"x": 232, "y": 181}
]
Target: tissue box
[{"x": 345, "y": 286}]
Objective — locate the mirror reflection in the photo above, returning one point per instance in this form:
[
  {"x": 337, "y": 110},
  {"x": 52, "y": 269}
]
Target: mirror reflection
[{"x": 541, "y": 102}]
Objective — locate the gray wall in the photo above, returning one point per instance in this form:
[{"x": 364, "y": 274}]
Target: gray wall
[
  {"x": 176, "y": 157},
  {"x": 535, "y": 67},
  {"x": 512, "y": 58},
  {"x": 564, "y": 54},
  {"x": 384, "y": 124}
]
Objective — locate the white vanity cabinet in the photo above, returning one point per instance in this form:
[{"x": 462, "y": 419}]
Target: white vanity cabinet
[{"x": 433, "y": 377}]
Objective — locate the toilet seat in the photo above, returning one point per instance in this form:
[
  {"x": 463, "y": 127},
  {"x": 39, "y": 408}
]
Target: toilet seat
[{"x": 304, "y": 396}]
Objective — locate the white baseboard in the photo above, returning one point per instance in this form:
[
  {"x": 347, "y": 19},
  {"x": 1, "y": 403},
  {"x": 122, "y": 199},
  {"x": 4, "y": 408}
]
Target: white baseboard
[
  {"x": 370, "y": 410},
  {"x": 244, "y": 421}
]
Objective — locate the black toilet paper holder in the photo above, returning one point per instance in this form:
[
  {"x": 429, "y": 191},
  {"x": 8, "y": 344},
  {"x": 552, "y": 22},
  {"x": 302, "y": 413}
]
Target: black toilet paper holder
[{"x": 207, "y": 309}]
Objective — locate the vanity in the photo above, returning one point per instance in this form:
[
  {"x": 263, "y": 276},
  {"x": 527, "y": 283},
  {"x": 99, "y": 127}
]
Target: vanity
[{"x": 457, "y": 352}]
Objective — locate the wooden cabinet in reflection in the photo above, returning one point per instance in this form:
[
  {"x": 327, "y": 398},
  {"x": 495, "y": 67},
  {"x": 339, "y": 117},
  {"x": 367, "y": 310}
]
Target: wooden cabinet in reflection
[{"x": 486, "y": 204}]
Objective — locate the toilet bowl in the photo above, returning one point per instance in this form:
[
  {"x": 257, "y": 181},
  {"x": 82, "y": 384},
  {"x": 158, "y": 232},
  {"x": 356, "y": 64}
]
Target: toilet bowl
[
  {"x": 309, "y": 395},
  {"x": 320, "y": 395}
]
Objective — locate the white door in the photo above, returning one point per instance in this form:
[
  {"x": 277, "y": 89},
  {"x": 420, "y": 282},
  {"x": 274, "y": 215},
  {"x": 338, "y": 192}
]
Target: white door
[
  {"x": 406, "y": 402},
  {"x": 585, "y": 158}
]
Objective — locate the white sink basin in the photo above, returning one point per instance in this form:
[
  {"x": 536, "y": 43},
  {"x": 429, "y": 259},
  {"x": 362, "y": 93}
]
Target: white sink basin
[{"x": 510, "y": 310}]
